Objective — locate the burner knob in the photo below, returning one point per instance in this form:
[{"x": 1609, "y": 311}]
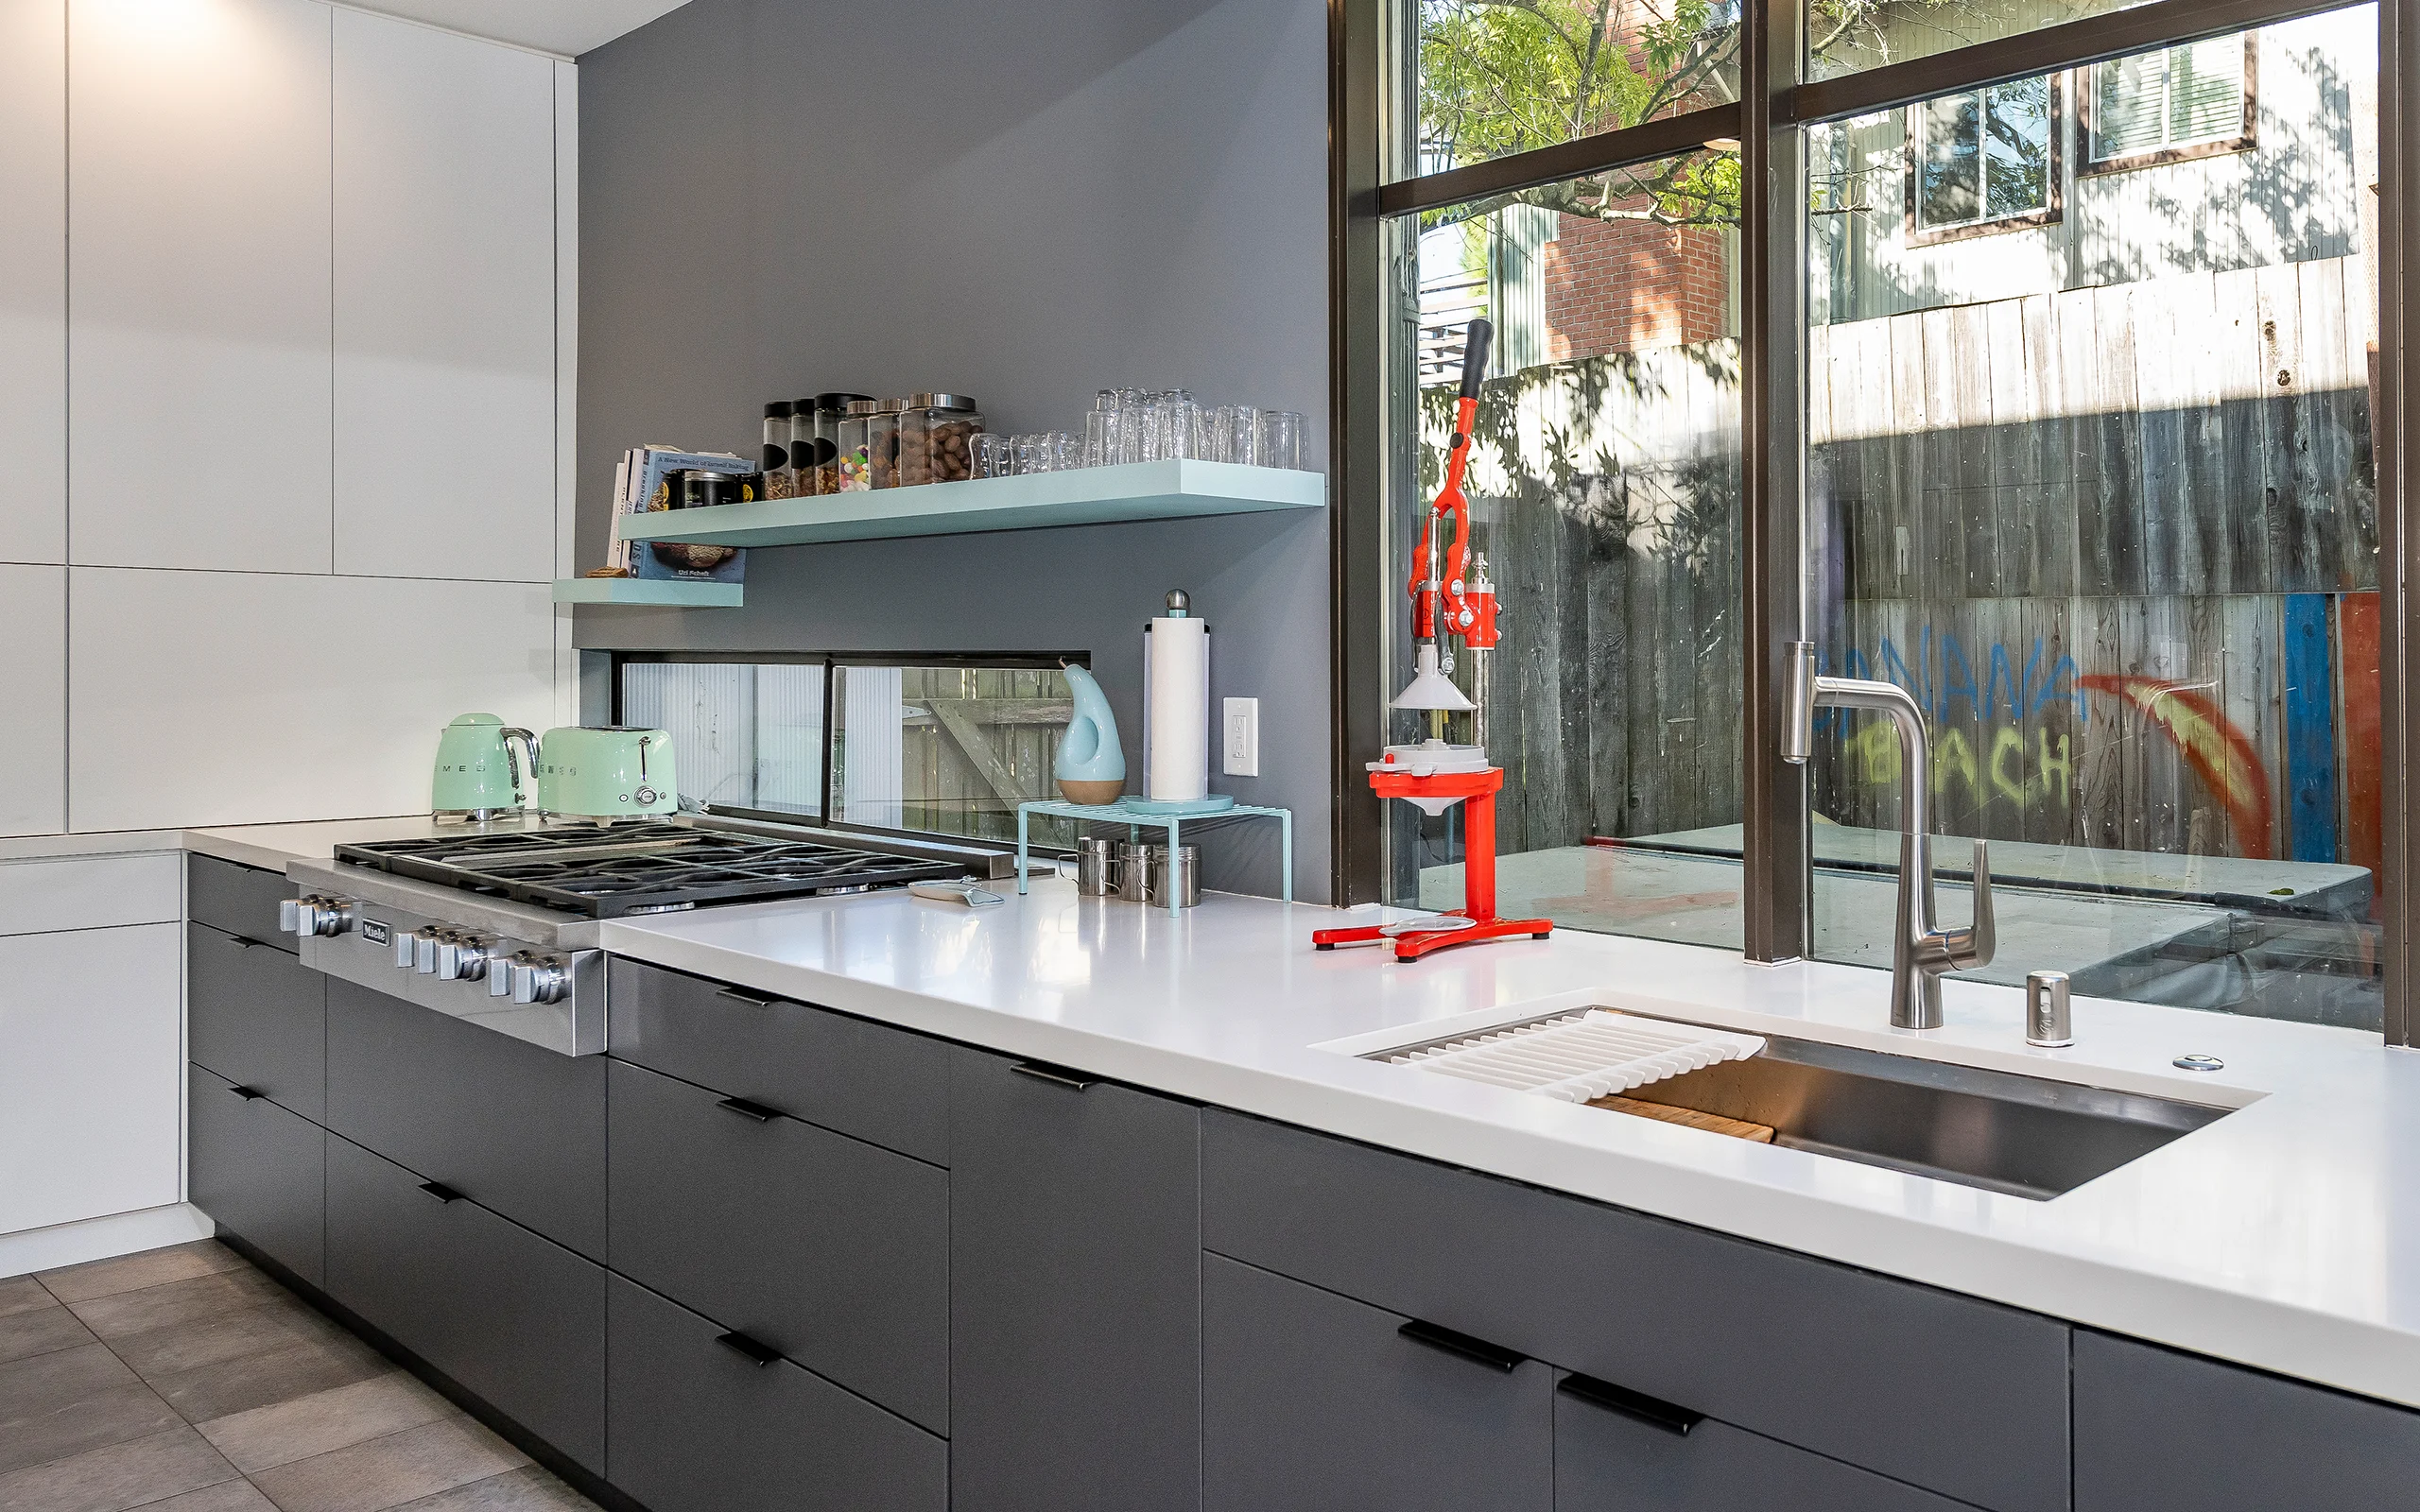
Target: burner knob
[
  {"x": 500, "y": 979},
  {"x": 540, "y": 979},
  {"x": 314, "y": 914},
  {"x": 424, "y": 949},
  {"x": 461, "y": 958},
  {"x": 403, "y": 950}
]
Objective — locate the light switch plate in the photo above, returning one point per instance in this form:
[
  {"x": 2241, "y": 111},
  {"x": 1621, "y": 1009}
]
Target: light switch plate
[{"x": 1242, "y": 740}]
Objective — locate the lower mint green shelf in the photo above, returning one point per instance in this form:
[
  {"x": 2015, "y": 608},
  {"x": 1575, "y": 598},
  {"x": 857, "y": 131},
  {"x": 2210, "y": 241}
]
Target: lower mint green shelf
[
  {"x": 1094, "y": 495},
  {"x": 663, "y": 593}
]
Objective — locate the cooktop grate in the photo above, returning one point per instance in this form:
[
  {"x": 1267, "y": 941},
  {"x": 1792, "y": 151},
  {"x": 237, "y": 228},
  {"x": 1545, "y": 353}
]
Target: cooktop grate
[{"x": 605, "y": 872}]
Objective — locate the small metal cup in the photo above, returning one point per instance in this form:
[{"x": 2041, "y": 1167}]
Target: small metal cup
[
  {"x": 1096, "y": 864},
  {"x": 1176, "y": 873},
  {"x": 1134, "y": 872}
]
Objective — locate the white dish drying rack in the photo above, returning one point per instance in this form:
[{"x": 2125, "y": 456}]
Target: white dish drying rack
[{"x": 1576, "y": 1057}]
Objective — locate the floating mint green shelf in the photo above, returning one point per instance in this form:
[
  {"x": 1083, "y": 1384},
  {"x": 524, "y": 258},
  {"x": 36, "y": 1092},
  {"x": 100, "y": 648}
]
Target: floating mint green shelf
[
  {"x": 662, "y": 593},
  {"x": 1087, "y": 496}
]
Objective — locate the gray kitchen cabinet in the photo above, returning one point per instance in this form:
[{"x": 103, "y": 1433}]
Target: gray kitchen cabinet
[
  {"x": 830, "y": 1250},
  {"x": 1801, "y": 1351},
  {"x": 1614, "y": 1451},
  {"x": 518, "y": 1129},
  {"x": 2161, "y": 1432},
  {"x": 1315, "y": 1402},
  {"x": 1075, "y": 1292},
  {"x": 258, "y": 1170},
  {"x": 256, "y": 1016},
  {"x": 867, "y": 1080},
  {"x": 515, "y": 1319},
  {"x": 239, "y": 900},
  {"x": 705, "y": 1419}
]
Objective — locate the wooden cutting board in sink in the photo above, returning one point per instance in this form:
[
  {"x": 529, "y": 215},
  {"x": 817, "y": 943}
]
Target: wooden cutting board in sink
[{"x": 1688, "y": 1118}]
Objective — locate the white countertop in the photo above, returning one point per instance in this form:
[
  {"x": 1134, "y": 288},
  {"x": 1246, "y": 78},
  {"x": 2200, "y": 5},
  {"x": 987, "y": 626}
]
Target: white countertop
[{"x": 2283, "y": 1236}]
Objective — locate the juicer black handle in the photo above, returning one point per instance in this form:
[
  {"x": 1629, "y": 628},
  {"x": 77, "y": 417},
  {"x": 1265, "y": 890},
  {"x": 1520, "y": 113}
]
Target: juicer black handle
[{"x": 1475, "y": 344}]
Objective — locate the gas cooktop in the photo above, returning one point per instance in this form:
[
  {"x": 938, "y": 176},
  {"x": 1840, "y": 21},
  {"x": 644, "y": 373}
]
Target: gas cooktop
[{"x": 607, "y": 871}]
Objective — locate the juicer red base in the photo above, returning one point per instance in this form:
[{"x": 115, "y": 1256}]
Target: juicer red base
[{"x": 1478, "y": 792}]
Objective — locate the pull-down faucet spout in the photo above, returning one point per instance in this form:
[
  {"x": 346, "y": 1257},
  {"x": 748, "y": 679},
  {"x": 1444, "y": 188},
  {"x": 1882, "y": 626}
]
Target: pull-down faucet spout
[{"x": 1921, "y": 950}]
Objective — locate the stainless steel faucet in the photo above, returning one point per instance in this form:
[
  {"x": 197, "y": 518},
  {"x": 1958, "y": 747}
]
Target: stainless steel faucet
[{"x": 1921, "y": 951}]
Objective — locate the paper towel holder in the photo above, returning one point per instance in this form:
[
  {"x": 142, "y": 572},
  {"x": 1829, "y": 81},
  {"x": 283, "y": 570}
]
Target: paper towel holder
[{"x": 1180, "y": 612}]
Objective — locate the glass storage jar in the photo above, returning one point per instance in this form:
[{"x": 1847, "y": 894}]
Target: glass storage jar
[
  {"x": 802, "y": 447},
  {"x": 934, "y": 434},
  {"x": 882, "y": 443},
  {"x": 856, "y": 453},
  {"x": 831, "y": 410},
  {"x": 781, "y": 479}
]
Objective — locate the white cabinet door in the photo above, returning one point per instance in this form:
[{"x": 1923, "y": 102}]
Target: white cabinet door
[
  {"x": 199, "y": 301},
  {"x": 92, "y": 1064},
  {"x": 445, "y": 304},
  {"x": 202, "y": 699},
  {"x": 33, "y": 283},
  {"x": 33, "y": 700}
]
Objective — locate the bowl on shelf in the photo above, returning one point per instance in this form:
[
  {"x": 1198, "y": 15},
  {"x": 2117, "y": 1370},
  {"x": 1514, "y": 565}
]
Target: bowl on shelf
[{"x": 687, "y": 557}]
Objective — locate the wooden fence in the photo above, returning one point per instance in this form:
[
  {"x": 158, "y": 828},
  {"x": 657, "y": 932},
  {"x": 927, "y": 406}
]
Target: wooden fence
[{"x": 2081, "y": 526}]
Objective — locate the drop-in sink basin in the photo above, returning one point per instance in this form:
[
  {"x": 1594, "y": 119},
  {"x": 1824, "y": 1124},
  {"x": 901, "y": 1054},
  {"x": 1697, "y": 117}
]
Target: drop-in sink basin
[{"x": 2027, "y": 1136}]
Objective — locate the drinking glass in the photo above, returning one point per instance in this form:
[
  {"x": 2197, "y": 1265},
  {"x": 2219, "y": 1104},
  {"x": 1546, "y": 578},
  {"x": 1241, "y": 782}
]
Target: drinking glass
[
  {"x": 1066, "y": 451},
  {"x": 1181, "y": 414},
  {"x": 1239, "y": 430},
  {"x": 1100, "y": 437},
  {"x": 987, "y": 455},
  {"x": 1280, "y": 440},
  {"x": 1034, "y": 454}
]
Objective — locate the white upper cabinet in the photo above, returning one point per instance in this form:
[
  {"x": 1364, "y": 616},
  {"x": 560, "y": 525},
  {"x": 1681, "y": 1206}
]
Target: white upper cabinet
[
  {"x": 33, "y": 700},
  {"x": 445, "y": 285},
  {"x": 33, "y": 283},
  {"x": 208, "y": 698},
  {"x": 199, "y": 303}
]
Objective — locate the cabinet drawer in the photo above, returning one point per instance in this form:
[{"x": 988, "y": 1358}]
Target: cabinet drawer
[
  {"x": 516, "y": 1320},
  {"x": 866, "y": 1080},
  {"x": 517, "y": 1128},
  {"x": 239, "y": 899},
  {"x": 1605, "y": 1457},
  {"x": 832, "y": 1251},
  {"x": 698, "y": 1426},
  {"x": 89, "y": 892},
  {"x": 1314, "y": 1401},
  {"x": 258, "y": 1170},
  {"x": 2161, "y": 1432},
  {"x": 1812, "y": 1353},
  {"x": 256, "y": 1016}
]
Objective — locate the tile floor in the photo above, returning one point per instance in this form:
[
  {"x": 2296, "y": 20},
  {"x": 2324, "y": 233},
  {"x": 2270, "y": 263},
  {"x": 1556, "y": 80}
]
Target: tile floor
[{"x": 183, "y": 1380}]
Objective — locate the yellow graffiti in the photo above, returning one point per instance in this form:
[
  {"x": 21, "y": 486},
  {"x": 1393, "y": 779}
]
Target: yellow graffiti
[{"x": 1873, "y": 758}]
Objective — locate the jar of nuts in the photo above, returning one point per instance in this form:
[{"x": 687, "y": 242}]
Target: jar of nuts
[
  {"x": 934, "y": 433},
  {"x": 882, "y": 445}
]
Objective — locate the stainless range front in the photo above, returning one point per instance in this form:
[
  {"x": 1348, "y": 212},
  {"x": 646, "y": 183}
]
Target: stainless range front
[{"x": 545, "y": 994}]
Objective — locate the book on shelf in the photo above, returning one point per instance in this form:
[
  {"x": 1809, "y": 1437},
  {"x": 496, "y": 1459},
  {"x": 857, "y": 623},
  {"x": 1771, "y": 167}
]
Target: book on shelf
[{"x": 647, "y": 482}]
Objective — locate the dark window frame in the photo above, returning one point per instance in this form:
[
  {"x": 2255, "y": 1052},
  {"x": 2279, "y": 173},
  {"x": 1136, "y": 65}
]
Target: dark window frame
[
  {"x": 2087, "y": 93},
  {"x": 1777, "y": 101}
]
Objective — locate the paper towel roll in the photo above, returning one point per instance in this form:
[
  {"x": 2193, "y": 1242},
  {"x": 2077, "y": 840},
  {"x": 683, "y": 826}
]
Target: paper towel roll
[{"x": 1176, "y": 713}]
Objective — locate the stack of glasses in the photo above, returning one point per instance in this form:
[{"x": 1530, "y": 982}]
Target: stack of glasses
[{"x": 1130, "y": 425}]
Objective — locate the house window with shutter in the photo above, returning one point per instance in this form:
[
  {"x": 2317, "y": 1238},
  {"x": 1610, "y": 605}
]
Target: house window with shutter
[{"x": 2187, "y": 101}]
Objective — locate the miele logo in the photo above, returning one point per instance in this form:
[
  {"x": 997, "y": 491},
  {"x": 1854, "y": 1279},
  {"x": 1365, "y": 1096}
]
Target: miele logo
[{"x": 376, "y": 933}]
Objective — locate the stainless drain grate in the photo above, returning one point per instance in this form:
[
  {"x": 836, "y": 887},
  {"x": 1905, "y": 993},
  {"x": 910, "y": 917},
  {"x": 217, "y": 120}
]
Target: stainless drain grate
[{"x": 1580, "y": 1056}]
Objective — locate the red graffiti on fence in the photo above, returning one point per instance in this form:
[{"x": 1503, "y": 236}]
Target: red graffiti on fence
[{"x": 2218, "y": 753}]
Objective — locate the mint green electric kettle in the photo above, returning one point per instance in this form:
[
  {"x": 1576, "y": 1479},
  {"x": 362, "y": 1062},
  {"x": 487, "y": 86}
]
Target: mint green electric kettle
[{"x": 476, "y": 777}]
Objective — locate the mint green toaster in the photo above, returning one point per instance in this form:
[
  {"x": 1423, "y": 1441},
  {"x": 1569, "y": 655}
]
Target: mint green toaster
[{"x": 610, "y": 773}]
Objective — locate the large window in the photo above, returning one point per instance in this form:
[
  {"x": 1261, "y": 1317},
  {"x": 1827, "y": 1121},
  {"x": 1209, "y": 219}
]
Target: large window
[
  {"x": 2080, "y": 448},
  {"x": 942, "y": 749}
]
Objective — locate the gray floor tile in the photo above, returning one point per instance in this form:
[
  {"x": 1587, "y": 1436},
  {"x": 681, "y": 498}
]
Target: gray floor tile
[
  {"x": 74, "y": 1423},
  {"x": 277, "y": 1375},
  {"x": 390, "y": 1471},
  {"x": 204, "y": 1341},
  {"x": 189, "y": 1300},
  {"x": 152, "y": 1267},
  {"x": 118, "y": 1477},
  {"x": 227, "y": 1495},
  {"x": 39, "y": 1331},
  {"x": 18, "y": 1292},
  {"x": 529, "y": 1489},
  {"x": 267, "y": 1436}
]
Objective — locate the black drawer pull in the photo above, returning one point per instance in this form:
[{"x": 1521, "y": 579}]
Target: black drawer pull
[
  {"x": 1462, "y": 1344},
  {"x": 1055, "y": 1075},
  {"x": 748, "y": 1349},
  {"x": 740, "y": 994},
  {"x": 250, "y": 1094},
  {"x": 748, "y": 1109},
  {"x": 242, "y": 942},
  {"x": 440, "y": 1192},
  {"x": 1636, "y": 1405}
]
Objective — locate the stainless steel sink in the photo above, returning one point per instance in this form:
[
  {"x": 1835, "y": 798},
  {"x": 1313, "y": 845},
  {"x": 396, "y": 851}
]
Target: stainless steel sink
[{"x": 2020, "y": 1135}]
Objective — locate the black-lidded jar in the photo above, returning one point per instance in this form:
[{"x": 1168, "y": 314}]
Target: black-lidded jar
[
  {"x": 781, "y": 477},
  {"x": 830, "y": 410}
]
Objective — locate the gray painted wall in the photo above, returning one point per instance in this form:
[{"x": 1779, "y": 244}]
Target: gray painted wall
[{"x": 1022, "y": 202}]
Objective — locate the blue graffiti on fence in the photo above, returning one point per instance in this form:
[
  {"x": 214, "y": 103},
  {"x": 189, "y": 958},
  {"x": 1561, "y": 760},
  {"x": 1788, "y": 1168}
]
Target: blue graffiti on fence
[{"x": 1943, "y": 678}]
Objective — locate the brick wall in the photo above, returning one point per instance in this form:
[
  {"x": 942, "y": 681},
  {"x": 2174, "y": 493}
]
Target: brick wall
[{"x": 1619, "y": 286}]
